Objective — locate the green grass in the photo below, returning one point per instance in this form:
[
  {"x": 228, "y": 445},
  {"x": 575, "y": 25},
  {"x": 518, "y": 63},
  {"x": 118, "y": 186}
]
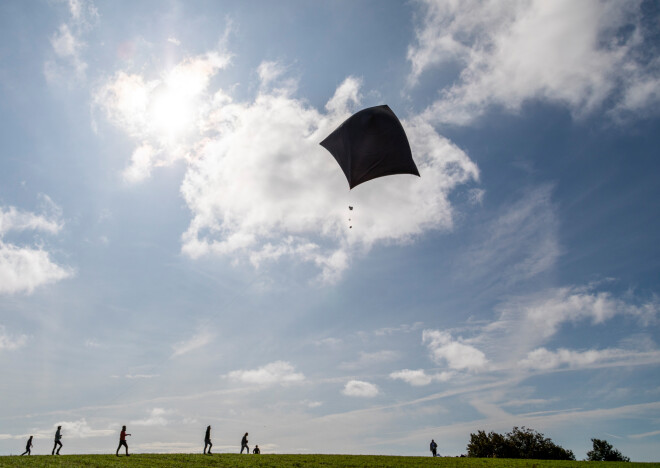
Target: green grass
[{"x": 290, "y": 461}]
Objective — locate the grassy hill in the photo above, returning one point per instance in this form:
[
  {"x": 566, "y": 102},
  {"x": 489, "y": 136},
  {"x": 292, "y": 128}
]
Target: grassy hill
[{"x": 290, "y": 461}]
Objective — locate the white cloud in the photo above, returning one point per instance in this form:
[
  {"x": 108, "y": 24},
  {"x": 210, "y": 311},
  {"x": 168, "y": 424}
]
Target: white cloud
[
  {"x": 419, "y": 377},
  {"x": 538, "y": 317},
  {"x": 456, "y": 353},
  {"x": 80, "y": 429},
  {"x": 155, "y": 418},
  {"x": 141, "y": 376},
  {"x": 12, "y": 219},
  {"x": 141, "y": 163},
  {"x": 24, "y": 268},
  {"x": 544, "y": 359},
  {"x": 403, "y": 328},
  {"x": 277, "y": 193},
  {"x": 259, "y": 186},
  {"x": 68, "y": 45},
  {"x": 11, "y": 342},
  {"x": 197, "y": 341},
  {"x": 359, "y": 388},
  {"x": 575, "y": 53},
  {"x": 278, "y": 372},
  {"x": 165, "y": 114}
]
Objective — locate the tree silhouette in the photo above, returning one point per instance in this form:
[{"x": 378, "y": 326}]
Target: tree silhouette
[
  {"x": 603, "y": 451},
  {"x": 519, "y": 443}
]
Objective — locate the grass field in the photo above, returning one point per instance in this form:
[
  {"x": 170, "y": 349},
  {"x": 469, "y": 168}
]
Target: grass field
[{"x": 290, "y": 461}]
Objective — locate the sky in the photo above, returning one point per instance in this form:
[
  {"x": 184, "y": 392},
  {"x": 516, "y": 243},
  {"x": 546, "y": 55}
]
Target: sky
[{"x": 176, "y": 248}]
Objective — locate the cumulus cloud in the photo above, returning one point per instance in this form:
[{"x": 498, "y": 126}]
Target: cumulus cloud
[
  {"x": 419, "y": 377},
  {"x": 456, "y": 353},
  {"x": 24, "y": 268},
  {"x": 11, "y": 342},
  {"x": 275, "y": 192},
  {"x": 359, "y": 388},
  {"x": 259, "y": 186},
  {"x": 157, "y": 417},
  {"x": 80, "y": 429},
  {"x": 278, "y": 372},
  {"x": 197, "y": 341},
  {"x": 585, "y": 55}
]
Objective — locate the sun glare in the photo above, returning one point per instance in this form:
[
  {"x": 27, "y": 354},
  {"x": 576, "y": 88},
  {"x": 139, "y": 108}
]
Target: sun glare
[{"x": 174, "y": 105}]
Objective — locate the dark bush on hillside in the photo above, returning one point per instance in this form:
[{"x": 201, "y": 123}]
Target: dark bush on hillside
[
  {"x": 603, "y": 451},
  {"x": 519, "y": 443}
]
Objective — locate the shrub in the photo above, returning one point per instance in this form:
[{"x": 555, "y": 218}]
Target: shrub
[
  {"x": 603, "y": 451},
  {"x": 519, "y": 443}
]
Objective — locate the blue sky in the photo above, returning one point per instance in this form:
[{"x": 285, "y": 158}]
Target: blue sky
[{"x": 175, "y": 247}]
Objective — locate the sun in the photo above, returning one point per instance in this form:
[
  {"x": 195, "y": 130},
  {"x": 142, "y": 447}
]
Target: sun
[{"x": 174, "y": 105}]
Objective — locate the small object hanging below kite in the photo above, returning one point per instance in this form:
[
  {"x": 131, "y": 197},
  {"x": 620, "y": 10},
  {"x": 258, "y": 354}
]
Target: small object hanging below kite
[
  {"x": 350, "y": 227},
  {"x": 350, "y": 208}
]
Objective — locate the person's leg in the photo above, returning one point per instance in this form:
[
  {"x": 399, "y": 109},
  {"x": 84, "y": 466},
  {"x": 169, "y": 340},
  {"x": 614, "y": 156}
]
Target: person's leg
[
  {"x": 59, "y": 448},
  {"x": 210, "y": 445},
  {"x": 54, "y": 445},
  {"x": 118, "y": 447},
  {"x": 126, "y": 446}
]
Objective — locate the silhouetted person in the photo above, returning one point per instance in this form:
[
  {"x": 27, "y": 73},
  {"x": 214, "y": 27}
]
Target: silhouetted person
[
  {"x": 256, "y": 450},
  {"x": 434, "y": 448},
  {"x": 58, "y": 441},
  {"x": 28, "y": 447},
  {"x": 122, "y": 441},
  {"x": 244, "y": 443},
  {"x": 207, "y": 440}
]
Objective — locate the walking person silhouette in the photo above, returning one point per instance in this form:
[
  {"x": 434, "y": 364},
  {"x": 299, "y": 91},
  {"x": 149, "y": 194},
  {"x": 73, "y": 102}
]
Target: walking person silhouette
[
  {"x": 244, "y": 443},
  {"x": 434, "y": 448},
  {"x": 58, "y": 441},
  {"x": 28, "y": 447},
  {"x": 207, "y": 440},
  {"x": 122, "y": 441}
]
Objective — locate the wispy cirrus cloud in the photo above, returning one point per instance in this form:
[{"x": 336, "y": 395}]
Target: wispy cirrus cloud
[
  {"x": 370, "y": 359},
  {"x": 199, "y": 340},
  {"x": 68, "y": 64},
  {"x": 278, "y": 372}
]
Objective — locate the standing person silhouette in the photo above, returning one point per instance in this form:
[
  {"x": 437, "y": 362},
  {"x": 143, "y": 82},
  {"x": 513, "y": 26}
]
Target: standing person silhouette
[
  {"x": 434, "y": 448},
  {"x": 58, "y": 441},
  {"x": 207, "y": 440},
  {"x": 244, "y": 443},
  {"x": 122, "y": 441},
  {"x": 256, "y": 450},
  {"x": 28, "y": 447}
]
